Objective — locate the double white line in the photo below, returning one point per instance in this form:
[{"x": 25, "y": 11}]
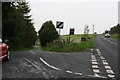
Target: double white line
[{"x": 109, "y": 70}]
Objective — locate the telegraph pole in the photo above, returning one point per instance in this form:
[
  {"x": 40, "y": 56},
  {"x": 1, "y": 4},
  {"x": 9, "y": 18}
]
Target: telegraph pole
[{"x": 93, "y": 29}]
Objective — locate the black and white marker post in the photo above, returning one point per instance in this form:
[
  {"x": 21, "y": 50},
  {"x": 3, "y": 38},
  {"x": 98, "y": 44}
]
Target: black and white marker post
[
  {"x": 59, "y": 25},
  {"x": 71, "y": 33}
]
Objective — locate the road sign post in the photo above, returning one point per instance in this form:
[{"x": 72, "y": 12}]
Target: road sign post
[
  {"x": 59, "y": 25},
  {"x": 71, "y": 33}
]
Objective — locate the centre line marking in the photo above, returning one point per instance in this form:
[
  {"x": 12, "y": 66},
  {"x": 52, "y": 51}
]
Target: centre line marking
[
  {"x": 110, "y": 71},
  {"x": 96, "y": 71},
  {"x": 105, "y": 63},
  {"x": 102, "y": 57},
  {"x": 112, "y": 76},
  {"x": 107, "y": 67},
  {"x": 94, "y": 60},
  {"x": 95, "y": 66},
  {"x": 94, "y": 63}
]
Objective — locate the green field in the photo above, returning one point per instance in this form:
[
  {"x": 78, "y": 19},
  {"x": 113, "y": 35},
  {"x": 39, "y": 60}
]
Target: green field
[
  {"x": 75, "y": 38},
  {"x": 115, "y": 36},
  {"x": 73, "y": 46}
]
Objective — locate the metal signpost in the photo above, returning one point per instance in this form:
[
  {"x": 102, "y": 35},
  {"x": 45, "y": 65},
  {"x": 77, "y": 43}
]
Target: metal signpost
[
  {"x": 71, "y": 33},
  {"x": 59, "y": 24},
  {"x": 119, "y": 12}
]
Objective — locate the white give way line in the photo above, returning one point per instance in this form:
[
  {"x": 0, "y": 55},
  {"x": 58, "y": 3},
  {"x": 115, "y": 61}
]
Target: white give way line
[{"x": 55, "y": 68}]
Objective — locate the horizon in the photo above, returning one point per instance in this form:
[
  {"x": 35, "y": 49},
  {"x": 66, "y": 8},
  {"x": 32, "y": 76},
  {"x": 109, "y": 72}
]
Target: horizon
[{"x": 76, "y": 14}]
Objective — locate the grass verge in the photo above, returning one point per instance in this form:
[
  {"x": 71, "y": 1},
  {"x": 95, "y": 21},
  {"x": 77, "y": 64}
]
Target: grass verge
[
  {"x": 20, "y": 49},
  {"x": 115, "y": 36},
  {"x": 69, "y": 47}
]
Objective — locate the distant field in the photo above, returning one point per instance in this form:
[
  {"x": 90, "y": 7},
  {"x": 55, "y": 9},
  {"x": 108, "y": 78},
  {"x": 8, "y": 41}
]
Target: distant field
[
  {"x": 73, "y": 46},
  {"x": 75, "y": 38},
  {"x": 115, "y": 36}
]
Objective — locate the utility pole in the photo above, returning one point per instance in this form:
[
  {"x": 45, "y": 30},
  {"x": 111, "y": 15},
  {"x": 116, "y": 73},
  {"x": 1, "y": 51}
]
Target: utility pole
[
  {"x": 93, "y": 29},
  {"x": 119, "y": 12}
]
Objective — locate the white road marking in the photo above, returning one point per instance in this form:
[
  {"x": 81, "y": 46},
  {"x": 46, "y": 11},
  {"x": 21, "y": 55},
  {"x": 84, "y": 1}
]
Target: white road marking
[
  {"x": 33, "y": 64},
  {"x": 94, "y": 63},
  {"x": 93, "y": 57},
  {"x": 102, "y": 57},
  {"x": 49, "y": 65},
  {"x": 104, "y": 60},
  {"x": 97, "y": 50},
  {"x": 96, "y": 71},
  {"x": 110, "y": 41},
  {"x": 110, "y": 71},
  {"x": 99, "y": 53},
  {"x": 32, "y": 52},
  {"x": 69, "y": 72},
  {"x": 112, "y": 76},
  {"x": 78, "y": 73},
  {"x": 91, "y": 49},
  {"x": 107, "y": 67},
  {"x": 96, "y": 75},
  {"x": 105, "y": 63},
  {"x": 94, "y": 60},
  {"x": 95, "y": 66}
]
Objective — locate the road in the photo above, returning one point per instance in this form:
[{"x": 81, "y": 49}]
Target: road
[
  {"x": 109, "y": 49},
  {"x": 99, "y": 63}
]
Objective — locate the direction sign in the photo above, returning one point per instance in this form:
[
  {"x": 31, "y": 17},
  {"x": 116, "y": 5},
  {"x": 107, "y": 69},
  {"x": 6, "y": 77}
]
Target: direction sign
[{"x": 59, "y": 25}]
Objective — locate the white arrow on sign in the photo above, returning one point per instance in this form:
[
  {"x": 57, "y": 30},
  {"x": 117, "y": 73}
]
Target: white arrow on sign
[{"x": 59, "y": 25}]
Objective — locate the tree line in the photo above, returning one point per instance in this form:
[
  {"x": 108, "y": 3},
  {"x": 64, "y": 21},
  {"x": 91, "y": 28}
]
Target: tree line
[
  {"x": 17, "y": 25},
  {"x": 115, "y": 30}
]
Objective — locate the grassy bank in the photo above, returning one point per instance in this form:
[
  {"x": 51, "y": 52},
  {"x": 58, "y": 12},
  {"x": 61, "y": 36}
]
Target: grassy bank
[
  {"x": 19, "y": 49},
  {"x": 115, "y": 36},
  {"x": 70, "y": 47}
]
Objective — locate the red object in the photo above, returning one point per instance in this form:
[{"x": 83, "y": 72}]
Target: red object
[{"x": 4, "y": 53}]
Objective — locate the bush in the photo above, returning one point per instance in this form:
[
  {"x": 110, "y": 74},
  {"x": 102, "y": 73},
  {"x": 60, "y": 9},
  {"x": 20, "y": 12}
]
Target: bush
[
  {"x": 47, "y": 33},
  {"x": 63, "y": 46}
]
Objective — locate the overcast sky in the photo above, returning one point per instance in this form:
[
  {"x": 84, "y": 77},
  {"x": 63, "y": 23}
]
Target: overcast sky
[{"x": 76, "y": 14}]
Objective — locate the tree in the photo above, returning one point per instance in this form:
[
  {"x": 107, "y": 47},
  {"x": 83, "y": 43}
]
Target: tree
[
  {"x": 30, "y": 33},
  {"x": 115, "y": 29},
  {"x": 17, "y": 25},
  {"x": 86, "y": 29},
  {"x": 47, "y": 33}
]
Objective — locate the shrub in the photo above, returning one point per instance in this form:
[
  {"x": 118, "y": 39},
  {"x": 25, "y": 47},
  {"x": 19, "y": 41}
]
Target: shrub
[{"x": 47, "y": 33}]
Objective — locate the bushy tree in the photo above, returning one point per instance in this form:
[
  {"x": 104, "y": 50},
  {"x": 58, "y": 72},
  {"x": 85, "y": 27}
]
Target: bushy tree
[
  {"x": 86, "y": 29},
  {"x": 115, "y": 30},
  {"x": 47, "y": 33},
  {"x": 17, "y": 27}
]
